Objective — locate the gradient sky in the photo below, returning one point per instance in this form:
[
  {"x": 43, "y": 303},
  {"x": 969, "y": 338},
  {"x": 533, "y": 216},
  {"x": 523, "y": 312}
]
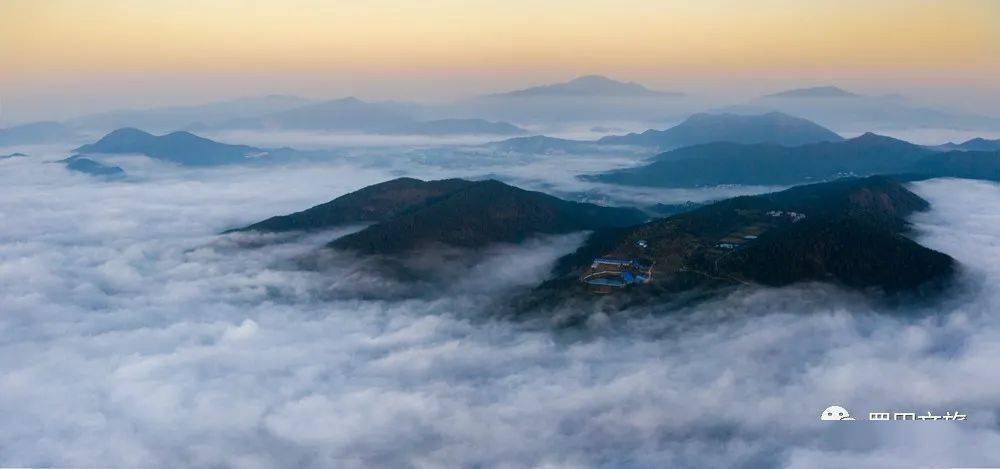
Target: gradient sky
[{"x": 65, "y": 57}]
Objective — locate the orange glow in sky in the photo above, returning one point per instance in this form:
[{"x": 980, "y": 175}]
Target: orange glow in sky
[{"x": 63, "y": 42}]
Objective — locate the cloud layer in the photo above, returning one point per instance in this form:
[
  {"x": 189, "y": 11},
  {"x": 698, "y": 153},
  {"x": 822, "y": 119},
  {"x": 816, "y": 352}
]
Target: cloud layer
[{"x": 131, "y": 334}]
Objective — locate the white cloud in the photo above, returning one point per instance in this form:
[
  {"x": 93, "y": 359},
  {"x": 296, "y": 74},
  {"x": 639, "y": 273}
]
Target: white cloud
[{"x": 132, "y": 335}]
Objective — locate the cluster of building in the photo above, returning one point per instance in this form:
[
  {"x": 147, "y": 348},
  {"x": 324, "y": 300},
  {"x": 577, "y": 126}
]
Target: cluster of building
[
  {"x": 794, "y": 216},
  {"x": 606, "y": 274}
]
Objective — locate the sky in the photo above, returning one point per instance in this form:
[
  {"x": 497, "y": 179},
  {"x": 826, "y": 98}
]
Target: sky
[{"x": 67, "y": 57}]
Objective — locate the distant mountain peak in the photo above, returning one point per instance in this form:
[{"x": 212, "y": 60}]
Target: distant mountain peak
[
  {"x": 735, "y": 117},
  {"x": 871, "y": 138},
  {"x": 283, "y": 96},
  {"x": 178, "y": 147},
  {"x": 973, "y": 144},
  {"x": 127, "y": 132},
  {"x": 35, "y": 132},
  {"x": 349, "y": 100},
  {"x": 596, "y": 79},
  {"x": 814, "y": 92},
  {"x": 123, "y": 136},
  {"x": 587, "y": 86}
]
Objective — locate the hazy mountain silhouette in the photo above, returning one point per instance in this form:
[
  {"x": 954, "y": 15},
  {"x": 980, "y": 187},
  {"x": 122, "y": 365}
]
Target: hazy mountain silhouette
[
  {"x": 189, "y": 117},
  {"x": 355, "y": 115},
  {"x": 830, "y": 107},
  {"x": 814, "y": 92},
  {"x": 178, "y": 147},
  {"x": 459, "y": 127},
  {"x": 540, "y": 144},
  {"x": 975, "y": 144},
  {"x": 340, "y": 114},
  {"x": 585, "y": 86},
  {"x": 35, "y": 133}
]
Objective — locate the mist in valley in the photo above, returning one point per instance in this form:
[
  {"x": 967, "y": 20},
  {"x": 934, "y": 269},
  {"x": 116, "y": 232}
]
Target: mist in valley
[{"x": 135, "y": 333}]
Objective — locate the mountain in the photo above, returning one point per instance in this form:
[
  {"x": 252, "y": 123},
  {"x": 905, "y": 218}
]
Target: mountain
[
  {"x": 12, "y": 155},
  {"x": 856, "y": 113},
  {"x": 348, "y": 114},
  {"x": 355, "y": 115},
  {"x": 769, "y": 164},
  {"x": 976, "y": 144},
  {"x": 854, "y": 239},
  {"x": 459, "y": 127},
  {"x": 815, "y": 92},
  {"x": 540, "y": 144},
  {"x": 482, "y": 213},
  {"x": 958, "y": 164},
  {"x": 580, "y": 103},
  {"x": 35, "y": 133},
  {"x": 192, "y": 117},
  {"x": 585, "y": 86},
  {"x": 178, "y": 147},
  {"x": 410, "y": 213},
  {"x": 850, "y": 232},
  {"x": 773, "y": 127},
  {"x": 666, "y": 210},
  {"x": 374, "y": 203},
  {"x": 93, "y": 168}
]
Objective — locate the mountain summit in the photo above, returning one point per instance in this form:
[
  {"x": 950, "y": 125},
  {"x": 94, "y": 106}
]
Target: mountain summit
[
  {"x": 35, "y": 132},
  {"x": 814, "y": 92},
  {"x": 410, "y": 213},
  {"x": 482, "y": 213},
  {"x": 975, "y": 144},
  {"x": 586, "y": 86},
  {"x": 354, "y": 115}
]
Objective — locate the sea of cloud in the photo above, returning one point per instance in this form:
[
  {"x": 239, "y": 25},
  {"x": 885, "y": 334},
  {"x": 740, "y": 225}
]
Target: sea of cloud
[{"x": 133, "y": 334}]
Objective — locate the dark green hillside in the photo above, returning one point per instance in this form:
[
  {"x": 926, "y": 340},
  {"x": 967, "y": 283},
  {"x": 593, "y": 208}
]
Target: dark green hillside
[
  {"x": 848, "y": 251},
  {"x": 410, "y": 213},
  {"x": 768, "y": 164},
  {"x": 483, "y": 213},
  {"x": 774, "y": 127},
  {"x": 960, "y": 164},
  {"x": 849, "y": 231},
  {"x": 374, "y": 203}
]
